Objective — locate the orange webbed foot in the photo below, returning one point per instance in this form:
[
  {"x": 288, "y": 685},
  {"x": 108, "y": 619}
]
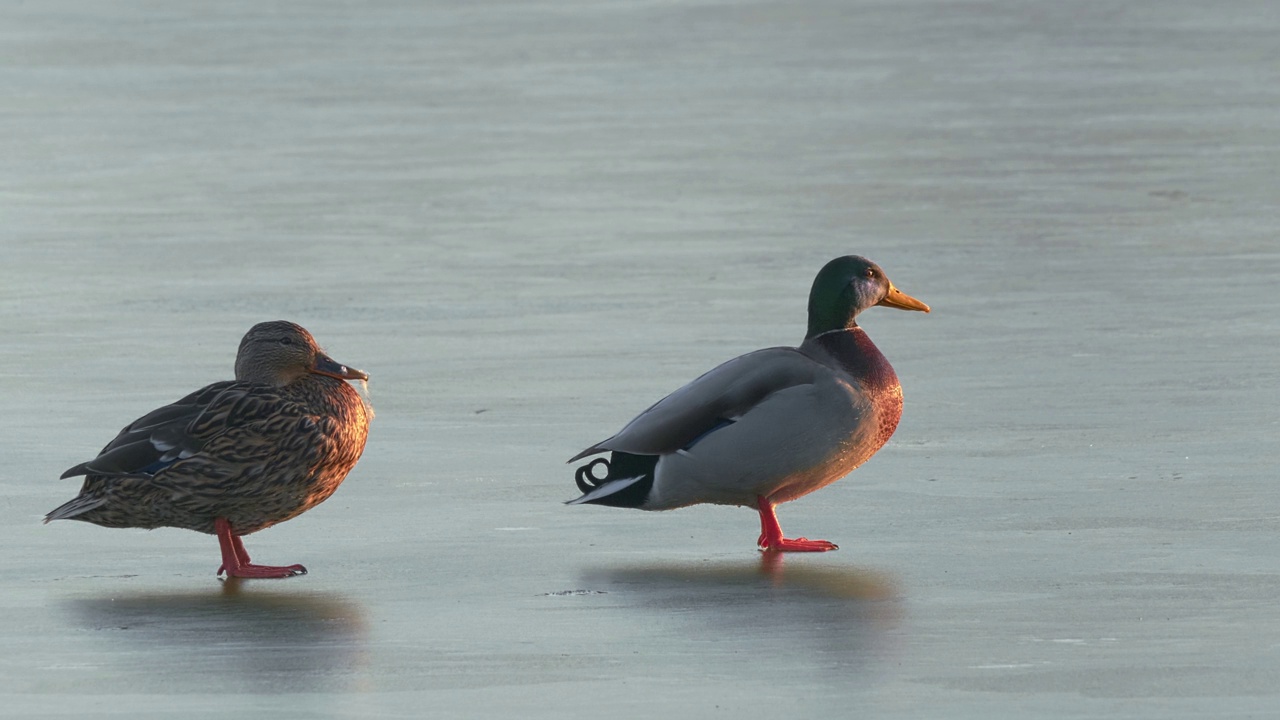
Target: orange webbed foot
[{"x": 771, "y": 538}]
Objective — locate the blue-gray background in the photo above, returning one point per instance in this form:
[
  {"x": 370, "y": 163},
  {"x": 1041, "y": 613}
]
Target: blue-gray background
[{"x": 528, "y": 221}]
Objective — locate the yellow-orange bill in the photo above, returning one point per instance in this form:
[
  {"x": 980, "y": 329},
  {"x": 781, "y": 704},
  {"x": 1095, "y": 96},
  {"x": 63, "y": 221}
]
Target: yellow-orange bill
[{"x": 898, "y": 299}]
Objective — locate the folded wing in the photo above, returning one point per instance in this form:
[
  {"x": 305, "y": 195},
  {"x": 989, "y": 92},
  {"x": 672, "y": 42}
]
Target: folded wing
[
  {"x": 718, "y": 398},
  {"x": 179, "y": 430}
]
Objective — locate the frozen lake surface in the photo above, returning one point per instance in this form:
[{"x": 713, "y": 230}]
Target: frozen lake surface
[{"x": 529, "y": 221}]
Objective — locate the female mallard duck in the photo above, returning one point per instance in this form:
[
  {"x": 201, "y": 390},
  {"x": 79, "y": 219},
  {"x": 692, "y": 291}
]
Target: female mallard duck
[
  {"x": 769, "y": 426},
  {"x": 237, "y": 456}
]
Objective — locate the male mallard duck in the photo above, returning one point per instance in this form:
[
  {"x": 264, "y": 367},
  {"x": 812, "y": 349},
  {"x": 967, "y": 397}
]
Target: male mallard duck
[
  {"x": 769, "y": 426},
  {"x": 237, "y": 456}
]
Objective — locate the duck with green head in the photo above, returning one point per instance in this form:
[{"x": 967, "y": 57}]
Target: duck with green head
[
  {"x": 236, "y": 456},
  {"x": 769, "y": 426}
]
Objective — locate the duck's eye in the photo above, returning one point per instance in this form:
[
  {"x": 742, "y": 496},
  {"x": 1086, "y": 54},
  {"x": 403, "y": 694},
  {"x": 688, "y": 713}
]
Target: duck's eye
[
  {"x": 286, "y": 341},
  {"x": 871, "y": 272}
]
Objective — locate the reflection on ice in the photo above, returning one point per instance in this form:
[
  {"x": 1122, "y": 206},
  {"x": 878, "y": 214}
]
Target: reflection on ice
[
  {"x": 241, "y": 637},
  {"x": 792, "y": 578},
  {"x": 826, "y": 616}
]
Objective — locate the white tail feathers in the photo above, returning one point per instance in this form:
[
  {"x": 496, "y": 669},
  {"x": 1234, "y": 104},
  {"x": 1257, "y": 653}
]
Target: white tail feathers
[{"x": 606, "y": 490}]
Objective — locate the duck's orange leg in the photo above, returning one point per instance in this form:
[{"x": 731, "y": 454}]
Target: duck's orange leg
[
  {"x": 771, "y": 534},
  {"x": 235, "y": 560}
]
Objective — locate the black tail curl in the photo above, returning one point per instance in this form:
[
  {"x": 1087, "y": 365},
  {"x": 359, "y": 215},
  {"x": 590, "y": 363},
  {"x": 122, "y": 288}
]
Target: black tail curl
[
  {"x": 586, "y": 478},
  {"x": 635, "y": 471}
]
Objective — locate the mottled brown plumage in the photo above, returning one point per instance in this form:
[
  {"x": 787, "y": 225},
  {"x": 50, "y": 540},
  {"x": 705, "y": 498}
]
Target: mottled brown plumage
[{"x": 255, "y": 451}]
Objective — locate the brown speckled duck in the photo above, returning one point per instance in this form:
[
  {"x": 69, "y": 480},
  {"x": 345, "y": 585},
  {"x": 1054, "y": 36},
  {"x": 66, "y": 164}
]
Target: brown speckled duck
[{"x": 236, "y": 456}]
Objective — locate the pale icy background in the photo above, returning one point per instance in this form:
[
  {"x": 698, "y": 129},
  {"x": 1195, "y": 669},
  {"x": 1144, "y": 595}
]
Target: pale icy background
[{"x": 527, "y": 221}]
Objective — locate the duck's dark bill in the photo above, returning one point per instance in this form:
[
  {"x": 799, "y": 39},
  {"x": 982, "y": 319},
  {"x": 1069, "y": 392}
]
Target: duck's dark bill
[
  {"x": 325, "y": 365},
  {"x": 902, "y": 301}
]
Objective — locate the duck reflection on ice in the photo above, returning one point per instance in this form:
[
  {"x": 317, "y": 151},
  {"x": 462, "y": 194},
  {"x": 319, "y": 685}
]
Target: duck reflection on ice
[
  {"x": 241, "y": 638},
  {"x": 832, "y": 616}
]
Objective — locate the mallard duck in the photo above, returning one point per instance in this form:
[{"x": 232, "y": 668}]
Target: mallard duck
[
  {"x": 768, "y": 426},
  {"x": 236, "y": 456}
]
